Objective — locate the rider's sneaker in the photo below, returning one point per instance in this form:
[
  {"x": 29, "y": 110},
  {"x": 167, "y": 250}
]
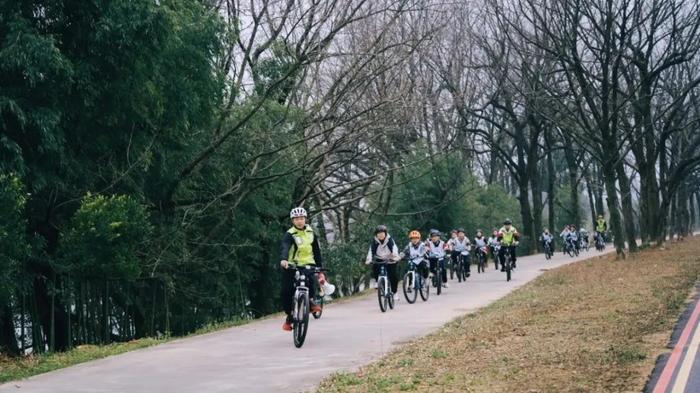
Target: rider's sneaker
[
  {"x": 445, "y": 285},
  {"x": 469, "y": 274},
  {"x": 315, "y": 308},
  {"x": 409, "y": 289},
  {"x": 396, "y": 297},
  {"x": 503, "y": 269},
  {"x": 287, "y": 325}
]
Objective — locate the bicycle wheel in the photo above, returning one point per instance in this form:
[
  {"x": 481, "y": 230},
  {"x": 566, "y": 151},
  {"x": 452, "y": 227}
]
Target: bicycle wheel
[
  {"x": 452, "y": 270},
  {"x": 508, "y": 273},
  {"x": 570, "y": 251},
  {"x": 319, "y": 302},
  {"x": 438, "y": 280},
  {"x": 390, "y": 298},
  {"x": 424, "y": 288},
  {"x": 409, "y": 287},
  {"x": 381, "y": 296},
  {"x": 301, "y": 319},
  {"x": 546, "y": 253}
]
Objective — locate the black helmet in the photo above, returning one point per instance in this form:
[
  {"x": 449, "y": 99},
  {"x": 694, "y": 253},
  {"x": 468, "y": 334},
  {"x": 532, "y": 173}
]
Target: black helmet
[
  {"x": 461, "y": 230},
  {"x": 434, "y": 232},
  {"x": 380, "y": 228},
  {"x": 508, "y": 221}
]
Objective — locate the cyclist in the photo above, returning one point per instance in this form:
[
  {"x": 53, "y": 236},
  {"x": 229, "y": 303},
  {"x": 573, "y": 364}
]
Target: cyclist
[
  {"x": 436, "y": 255},
  {"x": 601, "y": 226},
  {"x": 457, "y": 245},
  {"x": 583, "y": 235},
  {"x": 566, "y": 237},
  {"x": 300, "y": 246},
  {"x": 508, "y": 237},
  {"x": 416, "y": 252},
  {"x": 546, "y": 238},
  {"x": 481, "y": 245},
  {"x": 574, "y": 238},
  {"x": 384, "y": 248},
  {"x": 493, "y": 245}
]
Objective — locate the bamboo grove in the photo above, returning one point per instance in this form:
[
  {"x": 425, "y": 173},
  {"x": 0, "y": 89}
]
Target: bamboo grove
[{"x": 150, "y": 151}]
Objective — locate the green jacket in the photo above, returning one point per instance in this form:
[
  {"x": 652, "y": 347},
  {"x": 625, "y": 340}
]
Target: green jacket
[{"x": 300, "y": 246}]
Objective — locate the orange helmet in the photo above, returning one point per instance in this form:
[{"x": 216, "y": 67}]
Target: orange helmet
[{"x": 414, "y": 235}]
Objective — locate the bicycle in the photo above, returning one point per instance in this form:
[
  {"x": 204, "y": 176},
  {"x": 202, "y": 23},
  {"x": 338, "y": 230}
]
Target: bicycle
[
  {"x": 569, "y": 248},
  {"x": 600, "y": 242},
  {"x": 414, "y": 283},
  {"x": 548, "y": 253},
  {"x": 300, "y": 312},
  {"x": 481, "y": 260},
  {"x": 384, "y": 294},
  {"x": 496, "y": 252},
  {"x": 437, "y": 276},
  {"x": 508, "y": 263},
  {"x": 461, "y": 266}
]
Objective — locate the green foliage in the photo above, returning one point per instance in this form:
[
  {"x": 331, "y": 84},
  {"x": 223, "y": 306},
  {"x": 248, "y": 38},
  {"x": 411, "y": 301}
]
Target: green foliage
[
  {"x": 447, "y": 197},
  {"x": 345, "y": 260},
  {"x": 105, "y": 237},
  {"x": 13, "y": 245},
  {"x": 563, "y": 209}
]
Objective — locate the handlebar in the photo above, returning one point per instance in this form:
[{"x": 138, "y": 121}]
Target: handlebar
[{"x": 316, "y": 269}]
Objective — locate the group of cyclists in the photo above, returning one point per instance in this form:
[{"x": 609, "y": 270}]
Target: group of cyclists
[
  {"x": 300, "y": 254},
  {"x": 574, "y": 240}
]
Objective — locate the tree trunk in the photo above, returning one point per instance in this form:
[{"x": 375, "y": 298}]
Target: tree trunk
[
  {"x": 537, "y": 207},
  {"x": 627, "y": 209},
  {"x": 526, "y": 216},
  {"x": 591, "y": 200},
  {"x": 8, "y": 340},
  {"x": 552, "y": 176},
  {"x": 613, "y": 208}
]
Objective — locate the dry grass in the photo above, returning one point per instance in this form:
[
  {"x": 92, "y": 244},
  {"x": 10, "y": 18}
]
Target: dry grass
[{"x": 593, "y": 326}]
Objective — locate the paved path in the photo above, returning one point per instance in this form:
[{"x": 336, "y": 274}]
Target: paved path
[
  {"x": 679, "y": 371},
  {"x": 260, "y": 357}
]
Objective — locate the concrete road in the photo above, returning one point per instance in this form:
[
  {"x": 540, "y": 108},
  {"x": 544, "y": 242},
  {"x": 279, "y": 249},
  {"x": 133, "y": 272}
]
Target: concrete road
[{"x": 260, "y": 357}]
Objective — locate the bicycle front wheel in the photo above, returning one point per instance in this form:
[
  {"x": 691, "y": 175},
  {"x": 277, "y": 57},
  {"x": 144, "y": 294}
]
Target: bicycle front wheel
[
  {"x": 424, "y": 289},
  {"x": 410, "y": 290},
  {"x": 381, "y": 293},
  {"x": 301, "y": 319}
]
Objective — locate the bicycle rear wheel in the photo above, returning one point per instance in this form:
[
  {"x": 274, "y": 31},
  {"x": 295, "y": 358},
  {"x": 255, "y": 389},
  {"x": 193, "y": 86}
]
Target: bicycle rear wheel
[
  {"x": 438, "y": 280},
  {"x": 410, "y": 292},
  {"x": 301, "y": 319},
  {"x": 381, "y": 295}
]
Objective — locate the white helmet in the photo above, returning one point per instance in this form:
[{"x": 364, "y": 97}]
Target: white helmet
[{"x": 297, "y": 212}]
